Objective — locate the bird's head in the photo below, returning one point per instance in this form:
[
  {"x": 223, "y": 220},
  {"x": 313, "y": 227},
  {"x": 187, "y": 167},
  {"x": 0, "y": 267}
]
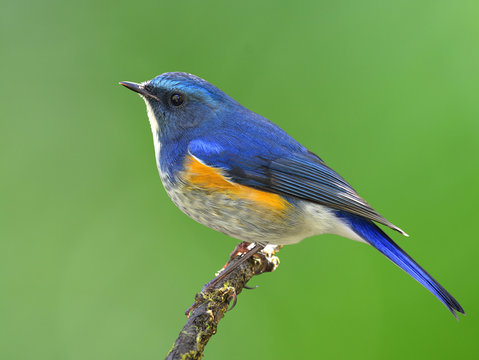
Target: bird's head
[{"x": 179, "y": 102}]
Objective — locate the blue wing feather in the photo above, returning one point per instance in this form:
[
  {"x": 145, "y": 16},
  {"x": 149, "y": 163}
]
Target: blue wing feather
[{"x": 277, "y": 169}]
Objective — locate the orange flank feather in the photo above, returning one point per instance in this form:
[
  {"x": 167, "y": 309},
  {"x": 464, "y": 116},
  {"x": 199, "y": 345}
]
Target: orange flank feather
[{"x": 209, "y": 178}]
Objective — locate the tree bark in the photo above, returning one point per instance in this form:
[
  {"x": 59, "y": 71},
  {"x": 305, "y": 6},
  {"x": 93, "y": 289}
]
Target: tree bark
[{"x": 212, "y": 303}]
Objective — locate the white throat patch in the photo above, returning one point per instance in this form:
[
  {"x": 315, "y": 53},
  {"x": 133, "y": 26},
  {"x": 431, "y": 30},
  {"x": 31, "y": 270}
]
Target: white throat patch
[{"x": 154, "y": 130}]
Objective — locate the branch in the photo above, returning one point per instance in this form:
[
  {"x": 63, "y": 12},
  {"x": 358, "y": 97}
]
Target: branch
[{"x": 212, "y": 303}]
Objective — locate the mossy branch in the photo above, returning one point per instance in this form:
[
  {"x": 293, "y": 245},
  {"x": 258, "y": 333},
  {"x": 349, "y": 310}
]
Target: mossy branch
[{"x": 212, "y": 303}]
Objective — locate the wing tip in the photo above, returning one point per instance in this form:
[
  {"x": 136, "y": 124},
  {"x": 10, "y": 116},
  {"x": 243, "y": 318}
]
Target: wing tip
[{"x": 399, "y": 230}]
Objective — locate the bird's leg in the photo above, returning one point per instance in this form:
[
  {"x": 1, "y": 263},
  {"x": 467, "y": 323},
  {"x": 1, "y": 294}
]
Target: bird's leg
[
  {"x": 232, "y": 264},
  {"x": 242, "y": 253},
  {"x": 238, "y": 256},
  {"x": 240, "y": 249}
]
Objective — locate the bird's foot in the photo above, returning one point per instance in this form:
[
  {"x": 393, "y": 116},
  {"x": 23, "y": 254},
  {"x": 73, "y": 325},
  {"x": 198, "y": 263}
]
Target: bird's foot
[{"x": 240, "y": 254}]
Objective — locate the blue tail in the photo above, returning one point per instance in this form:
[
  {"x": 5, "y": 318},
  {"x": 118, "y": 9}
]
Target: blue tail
[{"x": 377, "y": 238}]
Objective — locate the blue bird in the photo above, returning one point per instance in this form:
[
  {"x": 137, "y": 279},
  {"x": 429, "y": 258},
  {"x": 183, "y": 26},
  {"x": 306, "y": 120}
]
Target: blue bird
[{"x": 238, "y": 173}]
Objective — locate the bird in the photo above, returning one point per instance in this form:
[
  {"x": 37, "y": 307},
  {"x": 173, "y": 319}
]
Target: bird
[{"x": 238, "y": 173}]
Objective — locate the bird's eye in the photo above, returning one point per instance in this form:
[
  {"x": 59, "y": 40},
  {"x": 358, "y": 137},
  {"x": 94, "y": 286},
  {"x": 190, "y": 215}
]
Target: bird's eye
[{"x": 177, "y": 99}]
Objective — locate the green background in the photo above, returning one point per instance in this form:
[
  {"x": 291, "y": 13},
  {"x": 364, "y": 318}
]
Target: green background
[{"x": 97, "y": 263}]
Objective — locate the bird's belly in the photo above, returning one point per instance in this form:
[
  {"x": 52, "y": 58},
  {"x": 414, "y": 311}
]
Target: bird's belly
[{"x": 247, "y": 218}]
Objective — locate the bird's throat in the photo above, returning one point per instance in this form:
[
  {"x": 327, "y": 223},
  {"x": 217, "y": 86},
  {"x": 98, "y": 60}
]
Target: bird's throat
[{"x": 155, "y": 129}]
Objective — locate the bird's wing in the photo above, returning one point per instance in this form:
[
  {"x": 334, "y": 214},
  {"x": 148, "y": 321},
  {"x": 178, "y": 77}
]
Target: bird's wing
[{"x": 300, "y": 175}]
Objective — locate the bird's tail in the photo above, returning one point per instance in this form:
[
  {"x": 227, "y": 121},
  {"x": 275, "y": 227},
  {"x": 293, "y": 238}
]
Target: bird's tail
[{"x": 373, "y": 235}]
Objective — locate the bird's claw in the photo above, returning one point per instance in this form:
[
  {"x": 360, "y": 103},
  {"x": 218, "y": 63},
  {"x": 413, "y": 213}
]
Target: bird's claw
[
  {"x": 198, "y": 299},
  {"x": 235, "y": 300}
]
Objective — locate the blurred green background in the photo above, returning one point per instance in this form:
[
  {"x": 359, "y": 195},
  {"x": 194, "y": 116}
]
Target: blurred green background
[{"x": 97, "y": 263}]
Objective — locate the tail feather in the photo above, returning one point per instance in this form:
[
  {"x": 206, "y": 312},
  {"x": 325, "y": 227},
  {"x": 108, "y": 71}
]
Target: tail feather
[{"x": 373, "y": 235}]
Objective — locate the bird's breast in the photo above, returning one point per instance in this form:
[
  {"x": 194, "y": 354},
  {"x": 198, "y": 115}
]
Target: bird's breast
[{"x": 205, "y": 194}]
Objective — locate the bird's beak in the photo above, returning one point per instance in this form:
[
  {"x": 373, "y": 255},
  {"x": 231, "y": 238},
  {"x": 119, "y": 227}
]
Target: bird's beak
[{"x": 135, "y": 87}]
